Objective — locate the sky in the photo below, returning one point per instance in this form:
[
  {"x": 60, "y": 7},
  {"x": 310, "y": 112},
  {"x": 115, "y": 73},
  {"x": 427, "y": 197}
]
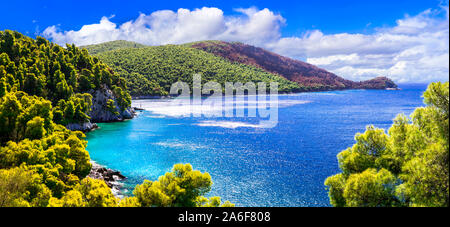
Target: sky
[{"x": 406, "y": 40}]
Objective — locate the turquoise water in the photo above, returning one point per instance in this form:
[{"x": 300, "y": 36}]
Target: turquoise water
[{"x": 252, "y": 166}]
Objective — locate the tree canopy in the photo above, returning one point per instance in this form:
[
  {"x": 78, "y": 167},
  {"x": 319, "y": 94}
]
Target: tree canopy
[
  {"x": 65, "y": 76},
  {"x": 408, "y": 166}
]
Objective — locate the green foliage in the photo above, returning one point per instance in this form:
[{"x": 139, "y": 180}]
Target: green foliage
[
  {"x": 20, "y": 187},
  {"x": 371, "y": 188},
  {"x": 183, "y": 187},
  {"x": 43, "y": 87},
  {"x": 113, "y": 45},
  {"x": 34, "y": 140},
  {"x": 89, "y": 193},
  {"x": 39, "y": 67},
  {"x": 152, "y": 70},
  {"x": 212, "y": 202},
  {"x": 75, "y": 109},
  {"x": 409, "y": 166},
  {"x": 111, "y": 107},
  {"x": 35, "y": 128},
  {"x": 22, "y": 115}
]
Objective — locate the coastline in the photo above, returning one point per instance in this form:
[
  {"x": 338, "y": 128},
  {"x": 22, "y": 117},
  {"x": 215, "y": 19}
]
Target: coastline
[
  {"x": 145, "y": 97},
  {"x": 111, "y": 177}
]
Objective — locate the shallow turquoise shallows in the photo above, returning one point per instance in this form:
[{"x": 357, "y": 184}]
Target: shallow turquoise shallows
[{"x": 252, "y": 166}]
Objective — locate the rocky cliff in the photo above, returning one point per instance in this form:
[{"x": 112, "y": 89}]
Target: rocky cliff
[{"x": 101, "y": 112}]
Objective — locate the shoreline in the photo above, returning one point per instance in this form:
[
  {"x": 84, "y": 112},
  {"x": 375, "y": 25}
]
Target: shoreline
[
  {"x": 165, "y": 97},
  {"x": 112, "y": 178}
]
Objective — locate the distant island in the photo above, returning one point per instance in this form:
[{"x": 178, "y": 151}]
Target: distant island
[{"x": 150, "y": 70}]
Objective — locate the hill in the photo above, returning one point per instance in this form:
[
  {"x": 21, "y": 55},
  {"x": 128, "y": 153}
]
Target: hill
[
  {"x": 150, "y": 71},
  {"x": 113, "y": 45},
  {"x": 308, "y": 76}
]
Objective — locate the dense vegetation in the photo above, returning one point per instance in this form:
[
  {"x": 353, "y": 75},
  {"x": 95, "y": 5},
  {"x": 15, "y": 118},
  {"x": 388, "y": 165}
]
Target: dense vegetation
[
  {"x": 65, "y": 76},
  {"x": 113, "y": 45},
  {"x": 42, "y": 88},
  {"x": 409, "y": 166},
  {"x": 152, "y": 70}
]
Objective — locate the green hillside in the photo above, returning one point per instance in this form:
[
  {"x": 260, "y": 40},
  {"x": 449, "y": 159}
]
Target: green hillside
[
  {"x": 152, "y": 70},
  {"x": 109, "y": 46}
]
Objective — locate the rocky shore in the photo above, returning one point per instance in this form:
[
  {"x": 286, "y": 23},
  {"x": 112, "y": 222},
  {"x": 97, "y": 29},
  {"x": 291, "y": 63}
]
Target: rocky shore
[
  {"x": 84, "y": 127},
  {"x": 111, "y": 177}
]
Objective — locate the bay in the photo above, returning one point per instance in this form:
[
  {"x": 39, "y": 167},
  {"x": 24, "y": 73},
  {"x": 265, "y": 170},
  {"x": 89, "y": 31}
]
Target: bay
[{"x": 251, "y": 166}]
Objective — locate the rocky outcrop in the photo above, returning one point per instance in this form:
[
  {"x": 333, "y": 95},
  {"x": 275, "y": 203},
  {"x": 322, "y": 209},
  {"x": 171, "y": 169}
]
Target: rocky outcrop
[
  {"x": 111, "y": 177},
  {"x": 100, "y": 112},
  {"x": 84, "y": 127},
  {"x": 378, "y": 83}
]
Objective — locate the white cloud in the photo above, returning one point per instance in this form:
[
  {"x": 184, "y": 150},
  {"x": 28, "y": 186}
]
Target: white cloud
[
  {"x": 168, "y": 27},
  {"x": 416, "y": 49}
]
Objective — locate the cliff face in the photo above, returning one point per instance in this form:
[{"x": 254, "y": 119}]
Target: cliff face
[
  {"x": 304, "y": 74},
  {"x": 101, "y": 113}
]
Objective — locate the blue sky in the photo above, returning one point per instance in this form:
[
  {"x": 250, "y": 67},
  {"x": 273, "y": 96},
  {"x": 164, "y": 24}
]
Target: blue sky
[
  {"x": 406, "y": 40},
  {"x": 330, "y": 16}
]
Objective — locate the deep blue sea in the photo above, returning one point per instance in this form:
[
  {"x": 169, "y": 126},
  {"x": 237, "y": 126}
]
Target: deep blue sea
[{"x": 249, "y": 165}]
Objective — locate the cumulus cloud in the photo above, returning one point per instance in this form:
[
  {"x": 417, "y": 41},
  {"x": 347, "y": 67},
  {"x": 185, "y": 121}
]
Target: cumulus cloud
[
  {"x": 168, "y": 27},
  {"x": 416, "y": 49}
]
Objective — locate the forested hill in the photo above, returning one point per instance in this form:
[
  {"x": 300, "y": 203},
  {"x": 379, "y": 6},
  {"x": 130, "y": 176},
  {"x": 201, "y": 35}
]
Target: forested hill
[
  {"x": 306, "y": 75},
  {"x": 151, "y": 71},
  {"x": 113, "y": 45},
  {"x": 81, "y": 88}
]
